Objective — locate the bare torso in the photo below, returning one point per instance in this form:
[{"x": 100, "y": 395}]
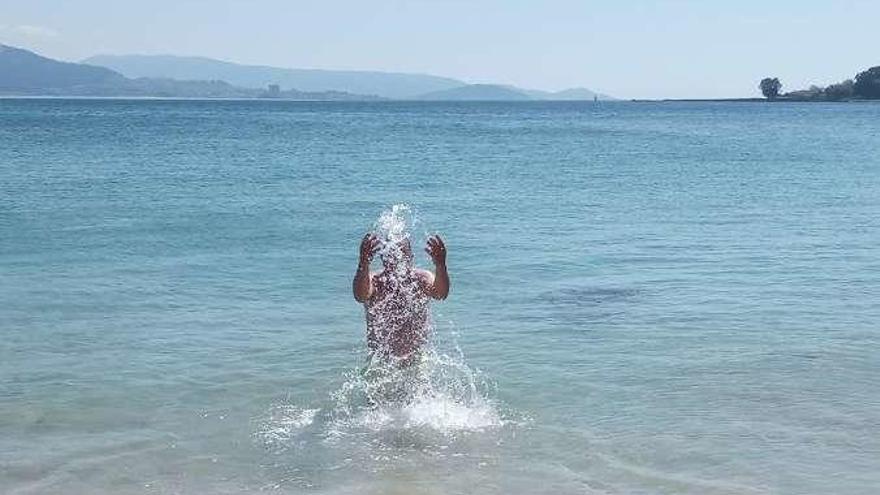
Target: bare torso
[
  {"x": 397, "y": 300},
  {"x": 398, "y": 312}
]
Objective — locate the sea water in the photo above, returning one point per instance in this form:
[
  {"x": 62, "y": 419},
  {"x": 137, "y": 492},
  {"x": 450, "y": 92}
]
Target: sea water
[{"x": 647, "y": 298}]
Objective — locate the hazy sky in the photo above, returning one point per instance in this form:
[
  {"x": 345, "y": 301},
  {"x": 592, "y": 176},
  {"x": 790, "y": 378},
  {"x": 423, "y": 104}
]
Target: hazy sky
[{"x": 630, "y": 49}]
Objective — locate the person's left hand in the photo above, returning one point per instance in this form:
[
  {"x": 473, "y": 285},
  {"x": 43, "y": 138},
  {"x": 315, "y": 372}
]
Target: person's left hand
[{"x": 436, "y": 249}]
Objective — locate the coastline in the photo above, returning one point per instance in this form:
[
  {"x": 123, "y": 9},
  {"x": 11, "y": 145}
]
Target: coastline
[
  {"x": 755, "y": 100},
  {"x": 416, "y": 100}
]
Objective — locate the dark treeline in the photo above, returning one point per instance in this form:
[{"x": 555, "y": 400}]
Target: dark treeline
[{"x": 865, "y": 86}]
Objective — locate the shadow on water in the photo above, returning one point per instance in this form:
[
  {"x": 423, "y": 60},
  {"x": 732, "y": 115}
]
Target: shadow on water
[
  {"x": 578, "y": 307},
  {"x": 587, "y": 296}
]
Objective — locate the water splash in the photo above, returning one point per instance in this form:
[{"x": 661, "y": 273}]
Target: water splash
[
  {"x": 284, "y": 422},
  {"x": 394, "y": 230},
  {"x": 440, "y": 395},
  {"x": 395, "y": 224},
  {"x": 398, "y": 313},
  {"x": 426, "y": 387},
  {"x": 427, "y": 397}
]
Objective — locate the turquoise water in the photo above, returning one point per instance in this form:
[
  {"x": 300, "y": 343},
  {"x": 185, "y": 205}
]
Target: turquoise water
[{"x": 648, "y": 298}]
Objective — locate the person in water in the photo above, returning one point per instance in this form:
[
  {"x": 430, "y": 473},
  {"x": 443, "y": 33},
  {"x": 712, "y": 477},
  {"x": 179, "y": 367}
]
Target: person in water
[{"x": 397, "y": 299}]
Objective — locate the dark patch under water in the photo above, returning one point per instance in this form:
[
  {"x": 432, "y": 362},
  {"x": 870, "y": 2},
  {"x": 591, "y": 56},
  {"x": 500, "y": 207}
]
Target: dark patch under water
[{"x": 590, "y": 296}]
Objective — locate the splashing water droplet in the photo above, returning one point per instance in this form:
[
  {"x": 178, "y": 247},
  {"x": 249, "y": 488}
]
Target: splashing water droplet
[
  {"x": 395, "y": 223},
  {"x": 419, "y": 398}
]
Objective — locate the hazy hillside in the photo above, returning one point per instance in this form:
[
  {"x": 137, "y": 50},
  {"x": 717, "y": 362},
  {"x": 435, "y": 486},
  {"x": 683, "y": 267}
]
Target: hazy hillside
[
  {"x": 22, "y": 71},
  {"x": 385, "y": 84},
  {"x": 27, "y": 74},
  {"x": 570, "y": 94},
  {"x": 497, "y": 92},
  {"x": 477, "y": 92}
]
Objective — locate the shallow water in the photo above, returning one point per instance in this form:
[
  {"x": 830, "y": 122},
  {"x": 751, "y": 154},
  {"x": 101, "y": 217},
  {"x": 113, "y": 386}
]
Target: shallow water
[{"x": 647, "y": 298}]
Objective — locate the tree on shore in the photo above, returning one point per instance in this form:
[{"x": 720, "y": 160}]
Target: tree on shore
[
  {"x": 770, "y": 87},
  {"x": 866, "y": 86},
  {"x": 840, "y": 91},
  {"x": 867, "y": 83}
]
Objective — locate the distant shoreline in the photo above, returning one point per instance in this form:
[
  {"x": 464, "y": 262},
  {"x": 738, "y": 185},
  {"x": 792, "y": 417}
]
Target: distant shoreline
[
  {"x": 394, "y": 100},
  {"x": 701, "y": 100},
  {"x": 753, "y": 100},
  {"x": 256, "y": 98}
]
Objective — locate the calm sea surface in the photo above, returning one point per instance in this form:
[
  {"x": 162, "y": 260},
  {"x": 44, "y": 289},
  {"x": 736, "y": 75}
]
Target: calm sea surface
[{"x": 648, "y": 298}]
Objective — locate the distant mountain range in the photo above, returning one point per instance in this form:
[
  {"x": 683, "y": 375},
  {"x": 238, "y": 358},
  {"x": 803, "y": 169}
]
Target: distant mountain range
[
  {"x": 496, "y": 92},
  {"x": 477, "y": 92},
  {"x": 383, "y": 84},
  {"x": 571, "y": 94},
  {"x": 25, "y": 73}
]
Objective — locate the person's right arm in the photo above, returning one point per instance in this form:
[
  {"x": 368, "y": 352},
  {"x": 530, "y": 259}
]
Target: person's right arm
[{"x": 362, "y": 286}]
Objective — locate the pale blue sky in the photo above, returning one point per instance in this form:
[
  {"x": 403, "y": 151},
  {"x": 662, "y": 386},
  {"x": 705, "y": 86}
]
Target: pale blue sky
[{"x": 635, "y": 49}]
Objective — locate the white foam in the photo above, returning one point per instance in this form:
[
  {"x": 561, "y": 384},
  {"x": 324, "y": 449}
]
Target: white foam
[
  {"x": 446, "y": 415},
  {"x": 284, "y": 423}
]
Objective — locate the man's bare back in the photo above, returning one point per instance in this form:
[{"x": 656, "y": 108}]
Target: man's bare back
[{"x": 397, "y": 299}]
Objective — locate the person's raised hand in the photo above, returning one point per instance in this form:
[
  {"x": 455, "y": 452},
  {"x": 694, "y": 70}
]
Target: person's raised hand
[
  {"x": 436, "y": 249},
  {"x": 369, "y": 248}
]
